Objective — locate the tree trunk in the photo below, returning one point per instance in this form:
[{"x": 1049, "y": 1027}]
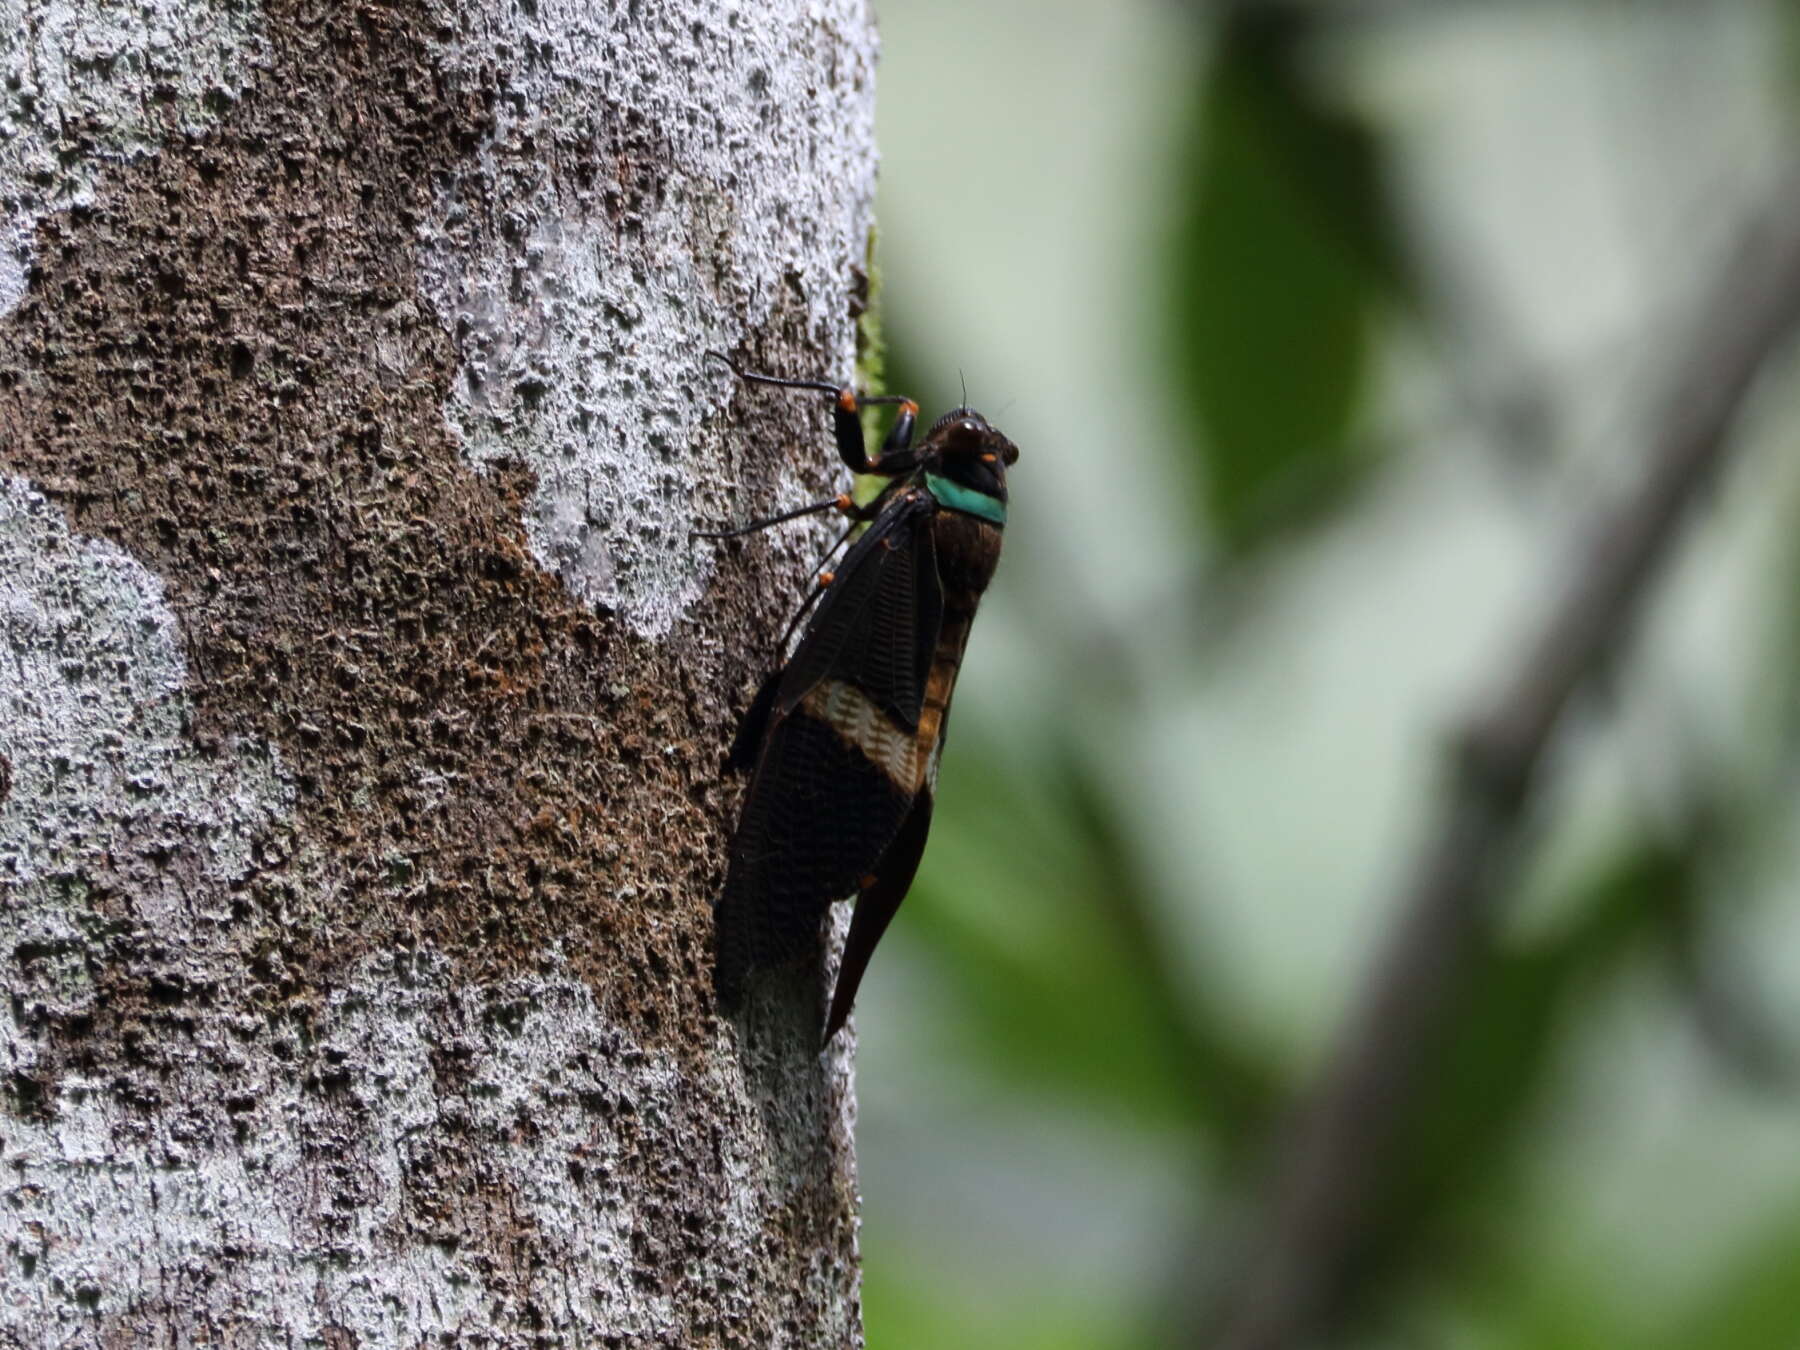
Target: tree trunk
[{"x": 363, "y": 699}]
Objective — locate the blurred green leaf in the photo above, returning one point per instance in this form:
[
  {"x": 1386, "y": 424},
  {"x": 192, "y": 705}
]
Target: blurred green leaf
[
  {"x": 1787, "y": 50},
  {"x": 1784, "y": 659},
  {"x": 1234, "y": 1093},
  {"x": 1284, "y": 252},
  {"x": 1755, "y": 1304},
  {"x": 1041, "y": 917},
  {"x": 903, "y": 1310},
  {"x": 1532, "y": 1312},
  {"x": 1488, "y": 1071}
]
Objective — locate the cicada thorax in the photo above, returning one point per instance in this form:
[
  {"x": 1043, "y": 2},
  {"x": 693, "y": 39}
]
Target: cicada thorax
[{"x": 968, "y": 551}]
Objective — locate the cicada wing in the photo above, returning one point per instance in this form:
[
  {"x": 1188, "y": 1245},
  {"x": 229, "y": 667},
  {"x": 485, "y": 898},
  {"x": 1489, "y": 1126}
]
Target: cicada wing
[
  {"x": 817, "y": 818},
  {"x": 877, "y": 625},
  {"x": 837, "y": 772},
  {"x": 877, "y": 905},
  {"x": 753, "y": 726}
]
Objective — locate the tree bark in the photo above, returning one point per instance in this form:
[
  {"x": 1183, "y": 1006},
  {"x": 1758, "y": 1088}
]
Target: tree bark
[{"x": 362, "y": 699}]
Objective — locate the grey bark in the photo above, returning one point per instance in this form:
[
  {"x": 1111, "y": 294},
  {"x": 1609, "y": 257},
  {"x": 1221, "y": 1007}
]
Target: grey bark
[{"x": 362, "y": 699}]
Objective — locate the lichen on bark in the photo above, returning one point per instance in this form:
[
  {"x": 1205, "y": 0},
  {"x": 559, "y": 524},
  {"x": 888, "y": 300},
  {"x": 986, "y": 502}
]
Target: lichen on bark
[{"x": 360, "y": 809}]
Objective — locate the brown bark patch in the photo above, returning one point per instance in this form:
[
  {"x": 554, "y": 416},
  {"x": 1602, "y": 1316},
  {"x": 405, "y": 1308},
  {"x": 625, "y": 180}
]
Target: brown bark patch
[{"x": 224, "y": 366}]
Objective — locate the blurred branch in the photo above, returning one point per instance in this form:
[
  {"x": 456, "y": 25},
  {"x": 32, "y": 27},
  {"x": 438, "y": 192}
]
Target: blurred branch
[
  {"x": 1330, "y": 1173},
  {"x": 1720, "y": 988},
  {"x": 1734, "y": 1022},
  {"x": 1231, "y": 1095}
]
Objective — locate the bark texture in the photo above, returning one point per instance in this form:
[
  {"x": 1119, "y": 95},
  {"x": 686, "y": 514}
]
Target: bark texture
[{"x": 362, "y": 700}]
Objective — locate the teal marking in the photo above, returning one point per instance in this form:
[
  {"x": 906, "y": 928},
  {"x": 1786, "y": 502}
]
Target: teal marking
[{"x": 967, "y": 500}]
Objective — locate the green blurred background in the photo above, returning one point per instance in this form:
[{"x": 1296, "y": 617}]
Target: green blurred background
[{"x": 1322, "y": 330}]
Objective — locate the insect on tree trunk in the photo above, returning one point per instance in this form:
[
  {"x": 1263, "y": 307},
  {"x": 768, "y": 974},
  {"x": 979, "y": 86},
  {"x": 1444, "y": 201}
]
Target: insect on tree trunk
[{"x": 362, "y": 700}]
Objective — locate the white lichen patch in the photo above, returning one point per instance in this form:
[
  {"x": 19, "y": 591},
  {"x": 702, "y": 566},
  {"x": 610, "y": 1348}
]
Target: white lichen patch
[
  {"x": 94, "y": 718},
  {"x": 648, "y": 219},
  {"x": 434, "y": 1150},
  {"x": 88, "y": 82},
  {"x": 104, "y": 789}
]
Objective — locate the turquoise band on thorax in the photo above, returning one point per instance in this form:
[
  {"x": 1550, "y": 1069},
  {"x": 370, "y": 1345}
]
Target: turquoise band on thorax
[{"x": 967, "y": 500}]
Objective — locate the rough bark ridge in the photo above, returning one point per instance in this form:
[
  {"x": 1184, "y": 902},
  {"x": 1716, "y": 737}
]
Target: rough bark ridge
[{"x": 362, "y": 700}]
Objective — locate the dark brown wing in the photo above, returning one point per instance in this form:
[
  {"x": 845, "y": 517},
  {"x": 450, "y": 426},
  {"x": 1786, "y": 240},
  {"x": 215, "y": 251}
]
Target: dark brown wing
[
  {"x": 877, "y": 905},
  {"x": 877, "y": 624},
  {"x": 824, "y": 803}
]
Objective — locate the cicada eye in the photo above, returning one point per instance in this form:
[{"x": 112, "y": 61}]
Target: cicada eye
[{"x": 968, "y": 427}]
